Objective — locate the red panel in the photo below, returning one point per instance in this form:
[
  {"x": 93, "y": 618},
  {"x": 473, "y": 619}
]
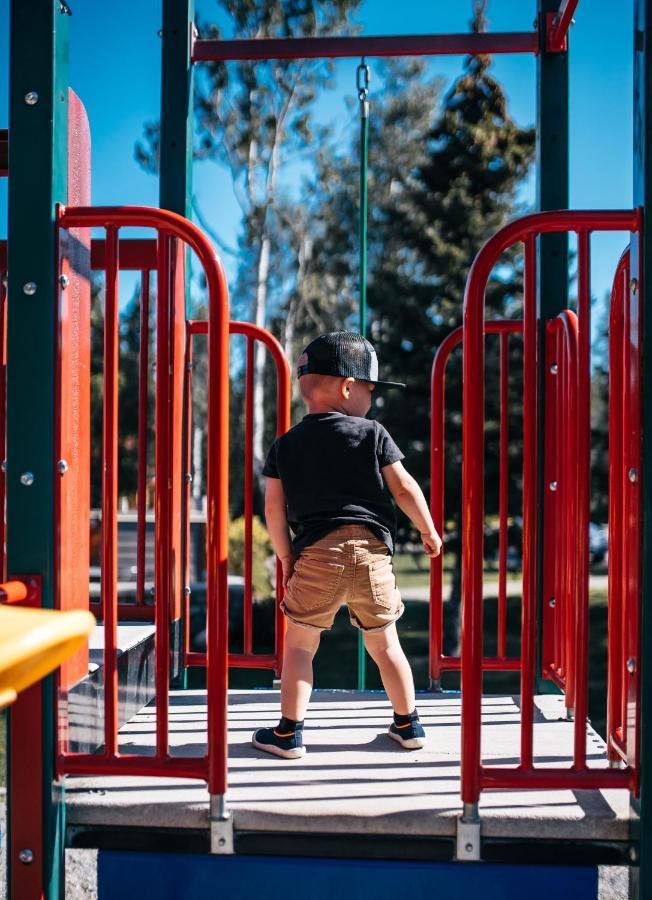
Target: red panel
[
  {"x": 72, "y": 489},
  {"x": 135, "y": 254}
]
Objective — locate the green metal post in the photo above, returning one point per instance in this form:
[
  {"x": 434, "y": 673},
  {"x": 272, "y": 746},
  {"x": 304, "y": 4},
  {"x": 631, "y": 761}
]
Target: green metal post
[
  {"x": 363, "y": 83},
  {"x": 552, "y": 274},
  {"x": 175, "y": 178},
  {"x": 641, "y": 249},
  {"x": 38, "y": 121}
]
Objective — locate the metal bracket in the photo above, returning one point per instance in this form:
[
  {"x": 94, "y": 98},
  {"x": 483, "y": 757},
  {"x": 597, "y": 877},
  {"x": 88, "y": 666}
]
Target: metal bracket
[
  {"x": 221, "y": 827},
  {"x": 468, "y": 835}
]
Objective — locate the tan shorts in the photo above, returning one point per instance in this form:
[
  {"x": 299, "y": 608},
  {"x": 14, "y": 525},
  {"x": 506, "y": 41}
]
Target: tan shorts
[{"x": 350, "y": 565}]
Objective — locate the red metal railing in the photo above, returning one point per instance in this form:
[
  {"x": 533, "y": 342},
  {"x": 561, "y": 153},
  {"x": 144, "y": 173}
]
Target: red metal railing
[
  {"x": 438, "y": 661},
  {"x": 624, "y": 518},
  {"x": 560, "y": 576},
  {"x": 253, "y": 334},
  {"x": 475, "y": 776},
  {"x": 173, "y": 232}
]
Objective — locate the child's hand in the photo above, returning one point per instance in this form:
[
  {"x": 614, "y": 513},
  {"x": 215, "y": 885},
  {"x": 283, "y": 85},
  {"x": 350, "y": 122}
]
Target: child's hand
[
  {"x": 431, "y": 543},
  {"x": 287, "y": 562}
]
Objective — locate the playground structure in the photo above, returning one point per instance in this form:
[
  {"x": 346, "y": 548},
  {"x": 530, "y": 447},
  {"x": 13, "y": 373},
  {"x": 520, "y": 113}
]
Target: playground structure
[{"x": 47, "y": 340}]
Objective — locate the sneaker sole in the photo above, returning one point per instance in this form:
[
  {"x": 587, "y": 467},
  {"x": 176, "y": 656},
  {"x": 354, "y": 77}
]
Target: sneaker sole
[
  {"x": 409, "y": 743},
  {"x": 295, "y": 753}
]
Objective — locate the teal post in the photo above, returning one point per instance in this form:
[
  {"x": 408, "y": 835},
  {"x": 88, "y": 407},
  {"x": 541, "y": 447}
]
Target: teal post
[
  {"x": 363, "y": 86},
  {"x": 38, "y": 122},
  {"x": 552, "y": 274},
  {"x": 642, "y": 249},
  {"x": 175, "y": 175}
]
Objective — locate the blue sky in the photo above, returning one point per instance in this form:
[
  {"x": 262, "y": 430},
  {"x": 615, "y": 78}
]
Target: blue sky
[{"x": 115, "y": 69}]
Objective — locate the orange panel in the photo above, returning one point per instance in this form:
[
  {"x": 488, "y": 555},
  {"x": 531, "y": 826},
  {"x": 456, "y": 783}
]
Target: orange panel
[{"x": 72, "y": 487}]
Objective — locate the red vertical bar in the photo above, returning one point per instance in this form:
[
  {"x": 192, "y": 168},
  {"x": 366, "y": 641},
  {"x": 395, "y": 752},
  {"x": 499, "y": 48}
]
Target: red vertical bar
[
  {"x": 283, "y": 421},
  {"x": 615, "y": 662},
  {"x": 583, "y": 481},
  {"x": 217, "y": 548},
  {"x": 248, "y": 499},
  {"x": 187, "y": 413},
  {"x": 570, "y": 610},
  {"x": 109, "y": 579},
  {"x": 503, "y": 497},
  {"x": 530, "y": 423},
  {"x": 622, "y": 528},
  {"x": 551, "y": 468},
  {"x": 163, "y": 486},
  {"x": 143, "y": 378}
]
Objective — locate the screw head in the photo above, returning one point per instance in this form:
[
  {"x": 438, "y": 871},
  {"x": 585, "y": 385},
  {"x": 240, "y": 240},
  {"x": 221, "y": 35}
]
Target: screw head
[
  {"x": 554, "y": 368},
  {"x": 187, "y": 590},
  {"x": 62, "y": 467},
  {"x": 160, "y": 32},
  {"x": 31, "y": 98},
  {"x": 189, "y": 477},
  {"x": 468, "y": 847},
  {"x": 553, "y": 485},
  {"x": 633, "y": 855},
  {"x": 633, "y": 475},
  {"x": 26, "y": 856},
  {"x": 633, "y": 284},
  {"x": 5, "y": 280},
  {"x": 64, "y": 281},
  {"x": 3, "y": 465},
  {"x": 552, "y": 602},
  {"x": 27, "y": 478},
  {"x": 631, "y": 665},
  {"x": 29, "y": 288},
  {"x": 222, "y": 842}
]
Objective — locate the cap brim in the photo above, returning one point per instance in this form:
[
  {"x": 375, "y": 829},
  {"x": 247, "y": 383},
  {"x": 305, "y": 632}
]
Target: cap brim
[{"x": 398, "y": 384}]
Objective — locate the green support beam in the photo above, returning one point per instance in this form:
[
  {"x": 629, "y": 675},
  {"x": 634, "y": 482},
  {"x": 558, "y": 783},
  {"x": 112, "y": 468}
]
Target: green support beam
[
  {"x": 642, "y": 247},
  {"x": 38, "y": 120},
  {"x": 552, "y": 274}
]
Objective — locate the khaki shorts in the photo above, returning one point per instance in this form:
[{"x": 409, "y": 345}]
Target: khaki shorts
[{"x": 350, "y": 565}]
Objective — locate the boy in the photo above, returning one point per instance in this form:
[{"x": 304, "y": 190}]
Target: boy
[{"x": 331, "y": 478}]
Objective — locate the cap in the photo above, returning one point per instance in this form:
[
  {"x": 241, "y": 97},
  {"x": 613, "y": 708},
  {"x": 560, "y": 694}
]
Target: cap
[{"x": 342, "y": 353}]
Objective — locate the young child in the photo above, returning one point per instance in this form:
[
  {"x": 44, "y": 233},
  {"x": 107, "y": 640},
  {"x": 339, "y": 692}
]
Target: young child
[{"x": 331, "y": 478}]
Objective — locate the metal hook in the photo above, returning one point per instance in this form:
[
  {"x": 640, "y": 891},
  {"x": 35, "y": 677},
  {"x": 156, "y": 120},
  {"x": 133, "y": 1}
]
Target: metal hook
[{"x": 362, "y": 79}]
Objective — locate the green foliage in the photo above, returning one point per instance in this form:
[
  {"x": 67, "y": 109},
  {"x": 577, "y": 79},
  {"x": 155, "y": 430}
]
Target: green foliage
[{"x": 262, "y": 555}]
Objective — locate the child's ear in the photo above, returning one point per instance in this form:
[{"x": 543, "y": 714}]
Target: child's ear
[{"x": 346, "y": 387}]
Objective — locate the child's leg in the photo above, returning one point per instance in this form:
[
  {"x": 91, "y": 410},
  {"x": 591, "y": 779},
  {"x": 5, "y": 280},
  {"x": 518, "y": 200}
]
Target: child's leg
[
  {"x": 386, "y": 651},
  {"x": 296, "y": 681}
]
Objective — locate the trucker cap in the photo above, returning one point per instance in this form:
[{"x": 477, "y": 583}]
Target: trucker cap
[{"x": 342, "y": 353}]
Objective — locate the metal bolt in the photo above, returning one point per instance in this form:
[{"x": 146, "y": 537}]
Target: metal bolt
[
  {"x": 189, "y": 477},
  {"x": 468, "y": 847},
  {"x": 633, "y": 284},
  {"x": 187, "y": 590},
  {"x": 633, "y": 855},
  {"x": 554, "y": 368},
  {"x": 553, "y": 485},
  {"x": 552, "y": 602},
  {"x": 64, "y": 281},
  {"x": 31, "y": 98},
  {"x": 3, "y": 465},
  {"x": 26, "y": 856},
  {"x": 222, "y": 842},
  {"x": 633, "y": 475},
  {"x": 62, "y": 466},
  {"x": 29, "y": 288},
  {"x": 5, "y": 280},
  {"x": 631, "y": 665},
  {"x": 160, "y": 32},
  {"x": 27, "y": 478}
]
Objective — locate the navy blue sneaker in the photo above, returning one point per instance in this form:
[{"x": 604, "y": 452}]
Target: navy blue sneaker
[
  {"x": 288, "y": 744},
  {"x": 410, "y": 735}
]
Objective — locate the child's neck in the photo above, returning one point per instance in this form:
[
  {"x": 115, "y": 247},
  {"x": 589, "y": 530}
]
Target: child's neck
[{"x": 323, "y": 406}]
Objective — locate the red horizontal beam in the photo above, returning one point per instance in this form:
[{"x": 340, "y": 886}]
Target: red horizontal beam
[
  {"x": 489, "y": 664},
  {"x": 127, "y": 612},
  {"x": 134, "y": 764},
  {"x": 374, "y": 45},
  {"x": 134, "y": 254},
  {"x": 555, "y": 779},
  {"x": 236, "y": 660},
  {"x": 4, "y": 152}
]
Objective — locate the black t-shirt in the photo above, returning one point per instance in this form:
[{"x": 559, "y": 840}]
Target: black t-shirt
[{"x": 329, "y": 465}]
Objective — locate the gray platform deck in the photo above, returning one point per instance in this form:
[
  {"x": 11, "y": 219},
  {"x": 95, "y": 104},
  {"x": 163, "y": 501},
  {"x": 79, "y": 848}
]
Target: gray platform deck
[{"x": 354, "y": 779}]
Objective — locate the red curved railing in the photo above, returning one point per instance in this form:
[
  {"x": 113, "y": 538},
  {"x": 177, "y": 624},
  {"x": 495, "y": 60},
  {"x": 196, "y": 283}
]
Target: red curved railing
[
  {"x": 624, "y": 517},
  {"x": 169, "y": 227},
  {"x": 438, "y": 661},
  {"x": 475, "y": 776},
  {"x": 253, "y": 334}
]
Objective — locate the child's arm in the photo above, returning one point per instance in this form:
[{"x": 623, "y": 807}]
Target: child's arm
[
  {"x": 409, "y": 497},
  {"x": 277, "y": 525}
]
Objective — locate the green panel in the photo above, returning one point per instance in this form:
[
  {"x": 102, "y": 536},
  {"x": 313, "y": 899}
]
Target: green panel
[
  {"x": 552, "y": 268},
  {"x": 643, "y": 198},
  {"x": 38, "y": 173},
  {"x": 175, "y": 189}
]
